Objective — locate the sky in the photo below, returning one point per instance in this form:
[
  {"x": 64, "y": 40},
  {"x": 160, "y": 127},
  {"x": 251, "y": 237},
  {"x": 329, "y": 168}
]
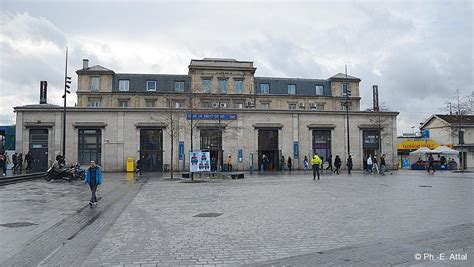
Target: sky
[{"x": 417, "y": 52}]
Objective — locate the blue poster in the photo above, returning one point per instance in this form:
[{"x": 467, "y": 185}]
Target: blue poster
[
  {"x": 181, "y": 150},
  {"x": 295, "y": 150}
]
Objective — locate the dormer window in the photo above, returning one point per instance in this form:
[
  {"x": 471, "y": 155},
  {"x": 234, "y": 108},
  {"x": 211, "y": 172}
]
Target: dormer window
[
  {"x": 179, "y": 86},
  {"x": 319, "y": 89},
  {"x": 264, "y": 88},
  {"x": 151, "y": 85},
  {"x": 124, "y": 85},
  {"x": 291, "y": 89}
]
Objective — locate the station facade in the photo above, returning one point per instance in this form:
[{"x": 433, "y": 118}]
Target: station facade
[{"x": 220, "y": 106}]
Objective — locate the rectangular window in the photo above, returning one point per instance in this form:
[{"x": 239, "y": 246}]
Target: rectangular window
[
  {"x": 291, "y": 89},
  {"x": 95, "y": 83},
  {"x": 265, "y": 105},
  {"x": 319, "y": 89},
  {"x": 123, "y": 85},
  {"x": 223, "y": 86},
  {"x": 238, "y": 86},
  {"x": 150, "y": 103},
  {"x": 123, "y": 103},
  {"x": 345, "y": 87},
  {"x": 94, "y": 102},
  {"x": 151, "y": 85},
  {"x": 179, "y": 86},
  {"x": 239, "y": 105},
  {"x": 89, "y": 146},
  {"x": 177, "y": 105},
  {"x": 264, "y": 88},
  {"x": 206, "y": 85},
  {"x": 206, "y": 104},
  {"x": 292, "y": 106},
  {"x": 319, "y": 107}
]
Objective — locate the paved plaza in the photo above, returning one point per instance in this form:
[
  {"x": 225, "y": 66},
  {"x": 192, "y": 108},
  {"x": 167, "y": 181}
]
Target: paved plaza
[{"x": 262, "y": 220}]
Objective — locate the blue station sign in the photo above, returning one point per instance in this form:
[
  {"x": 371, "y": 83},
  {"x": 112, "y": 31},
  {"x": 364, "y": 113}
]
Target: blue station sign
[{"x": 211, "y": 116}]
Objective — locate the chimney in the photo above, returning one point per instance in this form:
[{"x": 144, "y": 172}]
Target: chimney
[
  {"x": 43, "y": 92},
  {"x": 85, "y": 63},
  {"x": 375, "y": 95}
]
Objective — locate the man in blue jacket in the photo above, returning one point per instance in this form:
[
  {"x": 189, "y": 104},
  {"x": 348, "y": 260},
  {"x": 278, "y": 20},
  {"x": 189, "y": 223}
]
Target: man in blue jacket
[{"x": 93, "y": 178}]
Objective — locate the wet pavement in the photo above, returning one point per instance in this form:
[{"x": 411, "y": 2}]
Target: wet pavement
[{"x": 269, "y": 219}]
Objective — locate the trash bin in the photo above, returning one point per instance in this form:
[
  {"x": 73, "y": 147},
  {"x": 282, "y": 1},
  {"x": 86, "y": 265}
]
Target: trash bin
[{"x": 130, "y": 167}]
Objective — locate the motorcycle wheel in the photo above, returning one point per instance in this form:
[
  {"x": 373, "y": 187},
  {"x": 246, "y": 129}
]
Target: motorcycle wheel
[{"x": 48, "y": 177}]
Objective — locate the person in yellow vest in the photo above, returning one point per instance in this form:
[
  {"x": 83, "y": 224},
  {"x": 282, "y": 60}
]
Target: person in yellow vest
[{"x": 316, "y": 164}]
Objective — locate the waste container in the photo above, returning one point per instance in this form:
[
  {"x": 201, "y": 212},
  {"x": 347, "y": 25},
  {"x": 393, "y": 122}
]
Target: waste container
[{"x": 130, "y": 167}]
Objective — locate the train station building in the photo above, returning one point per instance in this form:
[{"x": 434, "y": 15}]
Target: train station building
[{"x": 219, "y": 106}]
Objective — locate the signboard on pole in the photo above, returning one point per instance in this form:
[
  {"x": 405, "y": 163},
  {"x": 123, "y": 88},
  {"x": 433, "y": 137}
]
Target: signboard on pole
[
  {"x": 181, "y": 150},
  {"x": 199, "y": 161}
]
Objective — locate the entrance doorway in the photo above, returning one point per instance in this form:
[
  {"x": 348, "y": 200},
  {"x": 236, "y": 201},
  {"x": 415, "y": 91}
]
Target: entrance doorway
[
  {"x": 211, "y": 140},
  {"x": 268, "y": 147},
  {"x": 151, "y": 149},
  {"x": 371, "y": 143},
  {"x": 322, "y": 144},
  {"x": 39, "y": 149}
]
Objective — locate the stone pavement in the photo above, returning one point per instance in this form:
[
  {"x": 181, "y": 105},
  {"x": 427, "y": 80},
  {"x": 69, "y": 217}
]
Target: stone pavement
[
  {"x": 272, "y": 217},
  {"x": 445, "y": 247},
  {"x": 38, "y": 219}
]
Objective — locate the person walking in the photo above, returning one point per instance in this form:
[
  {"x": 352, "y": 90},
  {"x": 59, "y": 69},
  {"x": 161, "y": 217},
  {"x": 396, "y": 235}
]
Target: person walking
[
  {"x": 383, "y": 166},
  {"x": 329, "y": 167},
  {"x": 349, "y": 164},
  {"x": 229, "y": 163},
  {"x": 316, "y": 164},
  {"x": 28, "y": 159},
  {"x": 337, "y": 164},
  {"x": 213, "y": 166},
  {"x": 93, "y": 178},
  {"x": 369, "y": 164},
  {"x": 431, "y": 163},
  {"x": 282, "y": 163},
  {"x": 15, "y": 162},
  {"x": 20, "y": 161},
  {"x": 375, "y": 167},
  {"x": 290, "y": 164},
  {"x": 3, "y": 163},
  {"x": 139, "y": 166},
  {"x": 263, "y": 163},
  {"x": 305, "y": 163}
]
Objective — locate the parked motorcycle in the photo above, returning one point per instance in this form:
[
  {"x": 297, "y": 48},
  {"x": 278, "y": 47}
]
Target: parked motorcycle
[{"x": 61, "y": 170}]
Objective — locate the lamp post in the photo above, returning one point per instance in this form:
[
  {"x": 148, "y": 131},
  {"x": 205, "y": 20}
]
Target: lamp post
[
  {"x": 67, "y": 81},
  {"x": 346, "y": 104}
]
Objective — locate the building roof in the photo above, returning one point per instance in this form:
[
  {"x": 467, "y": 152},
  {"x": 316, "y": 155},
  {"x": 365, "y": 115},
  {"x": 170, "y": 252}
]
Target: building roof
[
  {"x": 304, "y": 87},
  {"x": 455, "y": 119},
  {"x": 451, "y": 119},
  {"x": 95, "y": 69},
  {"x": 342, "y": 76},
  {"x": 164, "y": 82},
  {"x": 39, "y": 106}
]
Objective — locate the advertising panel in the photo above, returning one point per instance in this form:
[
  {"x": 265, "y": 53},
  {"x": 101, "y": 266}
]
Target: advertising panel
[{"x": 200, "y": 161}]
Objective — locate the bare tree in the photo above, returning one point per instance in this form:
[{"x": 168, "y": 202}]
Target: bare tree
[
  {"x": 170, "y": 118},
  {"x": 383, "y": 125}
]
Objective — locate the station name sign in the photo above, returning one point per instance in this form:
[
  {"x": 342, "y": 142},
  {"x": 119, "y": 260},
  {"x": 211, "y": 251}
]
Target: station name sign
[{"x": 211, "y": 116}]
